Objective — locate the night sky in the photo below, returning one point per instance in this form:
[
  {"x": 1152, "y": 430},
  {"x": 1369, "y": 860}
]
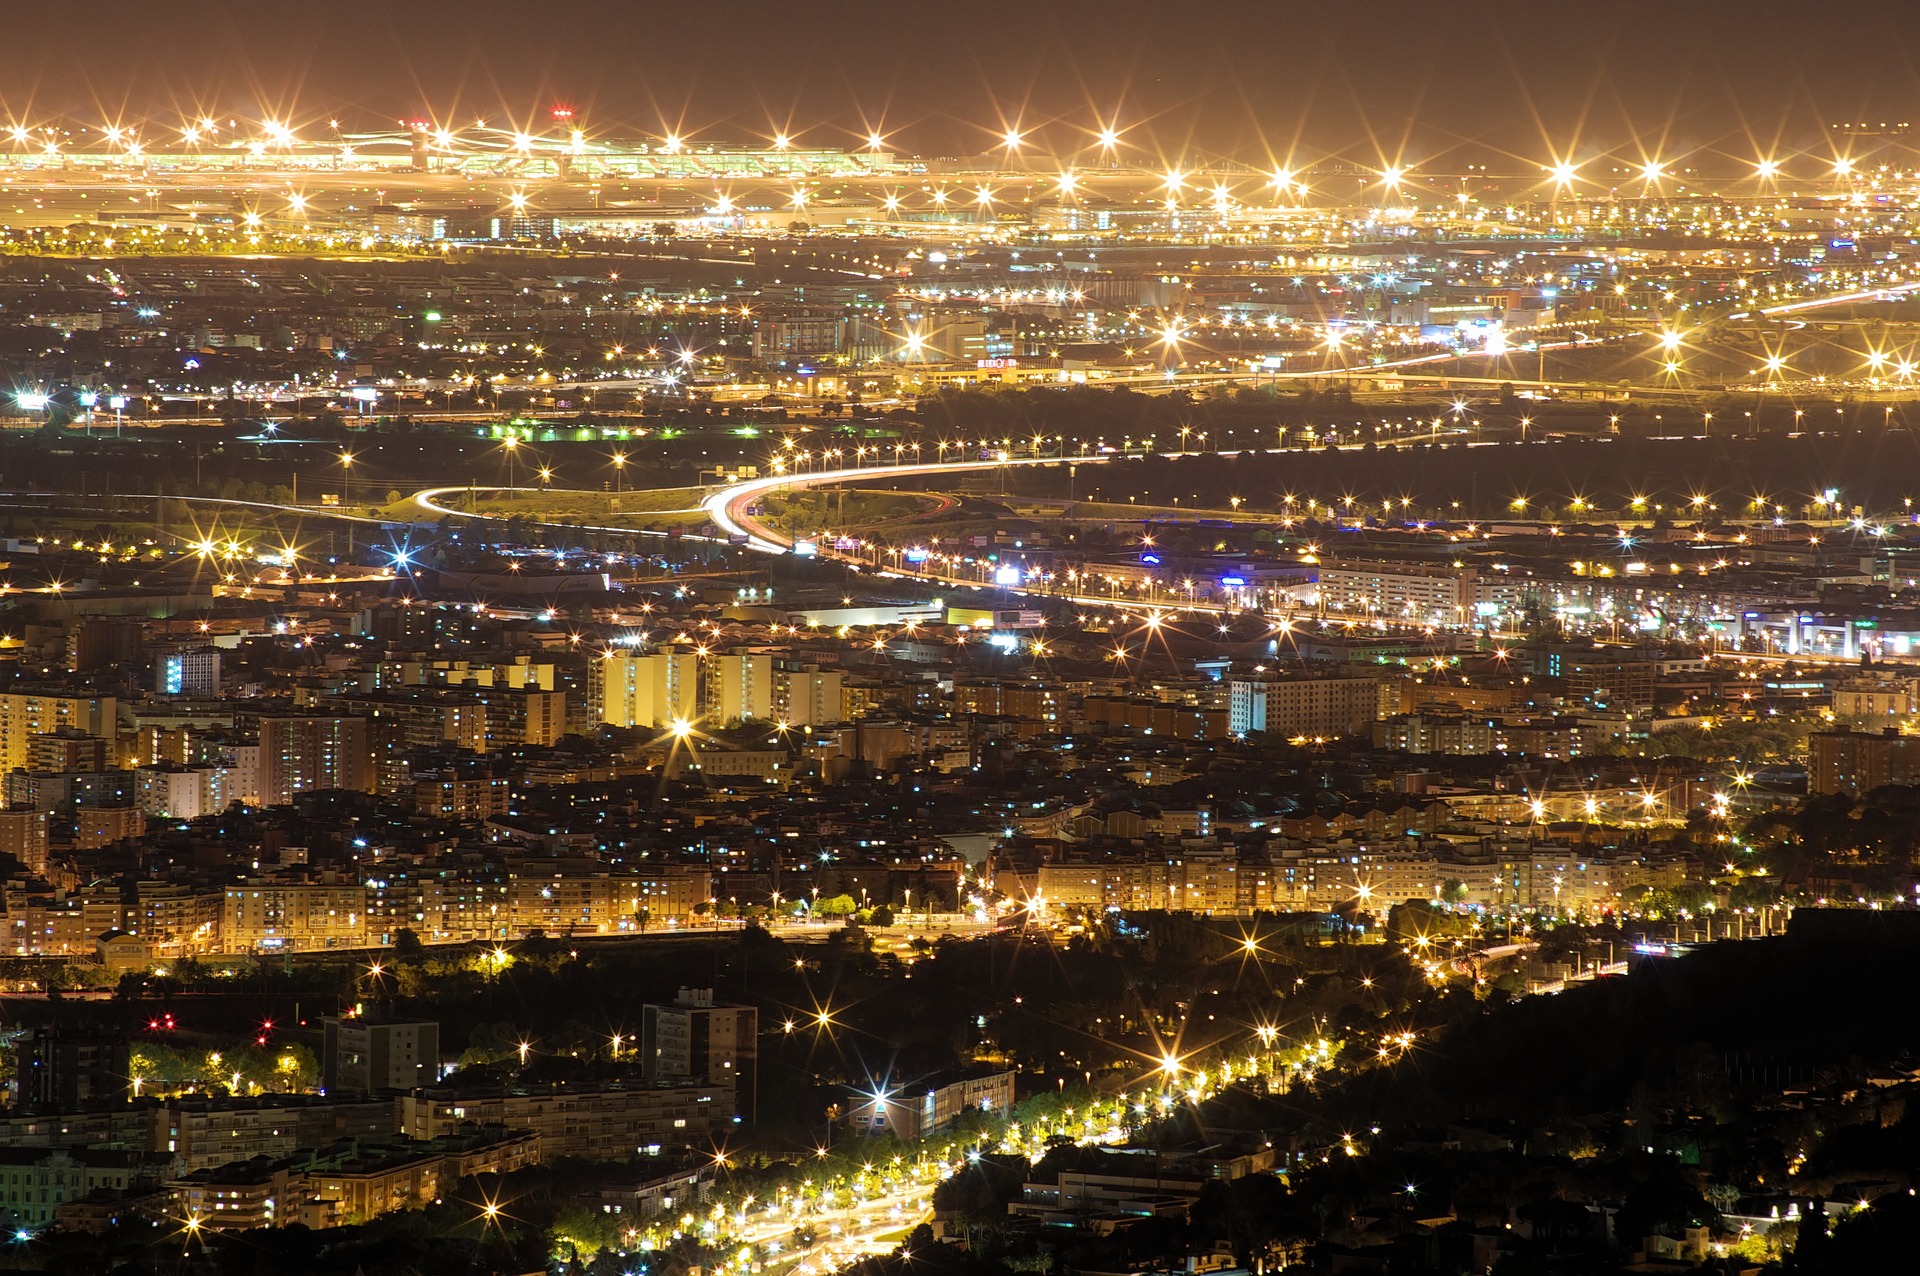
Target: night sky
[{"x": 1387, "y": 79}]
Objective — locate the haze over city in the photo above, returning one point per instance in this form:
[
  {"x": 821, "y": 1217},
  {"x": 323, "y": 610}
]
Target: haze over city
[
  {"x": 1248, "y": 81},
  {"x": 911, "y": 640}
]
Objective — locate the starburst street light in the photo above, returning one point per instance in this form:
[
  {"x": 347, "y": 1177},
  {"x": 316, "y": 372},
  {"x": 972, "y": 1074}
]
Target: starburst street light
[{"x": 1565, "y": 173}]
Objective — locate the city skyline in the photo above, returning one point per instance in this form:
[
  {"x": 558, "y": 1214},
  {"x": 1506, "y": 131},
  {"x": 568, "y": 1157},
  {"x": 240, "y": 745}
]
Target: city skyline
[{"x": 930, "y": 640}]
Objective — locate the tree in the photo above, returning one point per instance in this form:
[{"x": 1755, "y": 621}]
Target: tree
[
  {"x": 406, "y": 943},
  {"x": 584, "y": 1232},
  {"x": 1251, "y": 1214},
  {"x": 1663, "y": 1202},
  {"x": 1416, "y": 920}
]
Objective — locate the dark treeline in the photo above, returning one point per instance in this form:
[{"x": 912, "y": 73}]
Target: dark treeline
[{"x": 1875, "y": 470}]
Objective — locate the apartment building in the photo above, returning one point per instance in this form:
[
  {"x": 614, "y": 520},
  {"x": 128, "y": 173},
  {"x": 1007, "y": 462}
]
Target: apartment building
[
  {"x": 299, "y": 753},
  {"x": 806, "y": 695},
  {"x": 200, "y": 1133},
  {"x": 272, "y": 915},
  {"x": 1303, "y": 705},
  {"x": 601, "y": 1123},
  {"x": 36, "y": 1181},
  {"x": 436, "y": 718},
  {"x": 630, "y": 689},
  {"x": 358, "y": 1055},
  {"x": 26, "y": 714},
  {"x": 693, "y": 1038},
  {"x": 740, "y": 687},
  {"x": 1411, "y": 591},
  {"x": 930, "y": 1106}
]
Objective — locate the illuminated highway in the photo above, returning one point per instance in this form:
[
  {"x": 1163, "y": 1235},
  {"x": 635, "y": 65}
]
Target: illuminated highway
[{"x": 728, "y": 507}]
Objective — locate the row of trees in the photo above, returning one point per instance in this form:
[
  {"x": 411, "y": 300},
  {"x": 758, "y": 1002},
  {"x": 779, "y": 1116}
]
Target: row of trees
[{"x": 162, "y": 1068}]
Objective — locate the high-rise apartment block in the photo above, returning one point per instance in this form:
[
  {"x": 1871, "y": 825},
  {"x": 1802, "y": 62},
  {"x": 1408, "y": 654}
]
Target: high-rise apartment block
[
  {"x": 629, "y": 689},
  {"x": 697, "y": 1039}
]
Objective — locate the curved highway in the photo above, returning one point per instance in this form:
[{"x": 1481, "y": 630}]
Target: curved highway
[
  {"x": 428, "y": 499},
  {"x": 727, "y": 507}
]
